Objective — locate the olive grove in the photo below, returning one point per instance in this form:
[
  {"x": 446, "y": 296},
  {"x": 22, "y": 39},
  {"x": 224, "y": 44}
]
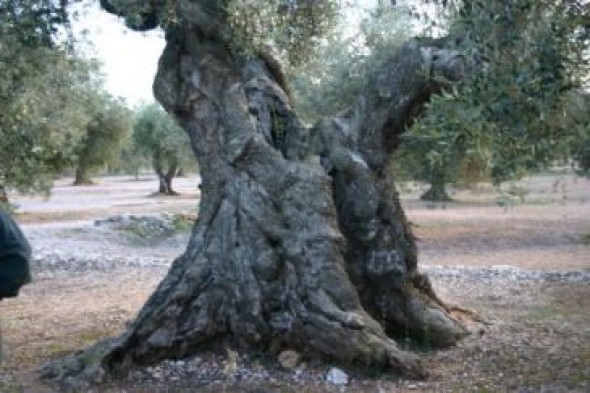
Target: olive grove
[{"x": 301, "y": 242}]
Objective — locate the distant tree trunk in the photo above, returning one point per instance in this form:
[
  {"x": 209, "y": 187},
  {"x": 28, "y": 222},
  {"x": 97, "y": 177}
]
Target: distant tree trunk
[
  {"x": 165, "y": 179},
  {"x": 436, "y": 192},
  {"x": 3, "y": 196},
  {"x": 136, "y": 172},
  {"x": 82, "y": 176},
  {"x": 301, "y": 242}
]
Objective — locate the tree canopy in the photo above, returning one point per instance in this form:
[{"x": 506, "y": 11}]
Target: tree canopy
[
  {"x": 56, "y": 113},
  {"x": 41, "y": 84},
  {"x": 510, "y": 116}
]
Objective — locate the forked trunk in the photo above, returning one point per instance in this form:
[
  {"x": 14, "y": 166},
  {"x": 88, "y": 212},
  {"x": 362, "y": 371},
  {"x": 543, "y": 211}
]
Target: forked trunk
[
  {"x": 165, "y": 177},
  {"x": 301, "y": 242},
  {"x": 165, "y": 183}
]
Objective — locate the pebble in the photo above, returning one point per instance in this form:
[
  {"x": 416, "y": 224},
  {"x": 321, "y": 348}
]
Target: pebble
[
  {"x": 337, "y": 377},
  {"x": 289, "y": 359}
]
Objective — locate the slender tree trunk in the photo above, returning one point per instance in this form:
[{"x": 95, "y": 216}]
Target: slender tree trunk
[
  {"x": 4, "y": 196},
  {"x": 301, "y": 242},
  {"x": 436, "y": 192}
]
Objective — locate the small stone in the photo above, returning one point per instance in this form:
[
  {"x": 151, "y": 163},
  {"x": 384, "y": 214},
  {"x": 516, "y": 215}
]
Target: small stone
[
  {"x": 337, "y": 377},
  {"x": 289, "y": 359},
  {"x": 412, "y": 387}
]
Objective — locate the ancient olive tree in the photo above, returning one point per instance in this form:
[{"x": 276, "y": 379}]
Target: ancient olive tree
[
  {"x": 301, "y": 242},
  {"x": 157, "y": 137}
]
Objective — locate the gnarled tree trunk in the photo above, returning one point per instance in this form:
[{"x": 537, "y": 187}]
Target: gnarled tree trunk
[
  {"x": 165, "y": 179},
  {"x": 301, "y": 242}
]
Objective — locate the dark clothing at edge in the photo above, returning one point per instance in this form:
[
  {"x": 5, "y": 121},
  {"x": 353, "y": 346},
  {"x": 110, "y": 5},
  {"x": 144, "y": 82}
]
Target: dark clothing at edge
[{"x": 15, "y": 254}]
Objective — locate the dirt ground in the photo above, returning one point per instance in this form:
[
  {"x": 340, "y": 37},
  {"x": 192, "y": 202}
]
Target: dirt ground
[{"x": 536, "y": 336}]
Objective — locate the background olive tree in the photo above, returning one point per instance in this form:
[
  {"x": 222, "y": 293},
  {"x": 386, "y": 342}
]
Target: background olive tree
[
  {"x": 514, "y": 118},
  {"x": 109, "y": 128},
  {"x": 157, "y": 137}
]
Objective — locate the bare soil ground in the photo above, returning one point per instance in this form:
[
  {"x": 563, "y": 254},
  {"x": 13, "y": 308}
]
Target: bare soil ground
[{"x": 537, "y": 331}]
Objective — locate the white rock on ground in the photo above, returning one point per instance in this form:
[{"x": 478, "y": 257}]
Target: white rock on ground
[{"x": 337, "y": 376}]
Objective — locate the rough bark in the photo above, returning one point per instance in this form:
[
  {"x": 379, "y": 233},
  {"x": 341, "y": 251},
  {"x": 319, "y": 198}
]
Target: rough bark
[
  {"x": 301, "y": 242},
  {"x": 355, "y": 147}
]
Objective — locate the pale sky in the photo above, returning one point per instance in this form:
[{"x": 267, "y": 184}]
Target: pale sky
[{"x": 129, "y": 58}]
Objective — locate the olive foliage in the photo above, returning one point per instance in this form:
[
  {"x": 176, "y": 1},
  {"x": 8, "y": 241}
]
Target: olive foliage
[
  {"x": 41, "y": 84},
  {"x": 512, "y": 117},
  {"x": 346, "y": 57}
]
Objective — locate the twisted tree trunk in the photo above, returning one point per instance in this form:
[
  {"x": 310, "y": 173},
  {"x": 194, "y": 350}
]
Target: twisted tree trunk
[
  {"x": 301, "y": 242},
  {"x": 165, "y": 179}
]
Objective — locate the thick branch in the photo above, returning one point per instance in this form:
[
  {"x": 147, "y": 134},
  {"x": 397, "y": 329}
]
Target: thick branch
[{"x": 355, "y": 147}]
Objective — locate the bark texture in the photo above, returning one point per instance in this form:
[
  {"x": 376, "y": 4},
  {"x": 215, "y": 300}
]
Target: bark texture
[{"x": 301, "y": 242}]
